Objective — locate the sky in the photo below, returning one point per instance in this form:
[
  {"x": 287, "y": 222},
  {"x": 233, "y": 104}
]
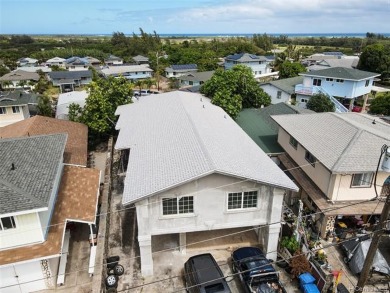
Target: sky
[{"x": 193, "y": 16}]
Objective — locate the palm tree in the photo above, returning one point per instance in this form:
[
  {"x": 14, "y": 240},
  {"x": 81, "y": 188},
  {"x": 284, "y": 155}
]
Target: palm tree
[
  {"x": 22, "y": 83},
  {"x": 139, "y": 83},
  {"x": 6, "y": 84},
  {"x": 150, "y": 82}
]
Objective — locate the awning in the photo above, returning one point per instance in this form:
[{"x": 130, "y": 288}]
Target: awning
[
  {"x": 322, "y": 202},
  {"x": 76, "y": 201}
]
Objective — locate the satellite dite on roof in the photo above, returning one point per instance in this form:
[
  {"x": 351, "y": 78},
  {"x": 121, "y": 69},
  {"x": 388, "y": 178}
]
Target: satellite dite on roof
[{"x": 386, "y": 159}]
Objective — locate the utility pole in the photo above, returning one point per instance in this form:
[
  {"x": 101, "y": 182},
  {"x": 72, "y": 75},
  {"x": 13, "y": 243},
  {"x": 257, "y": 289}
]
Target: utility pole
[{"x": 373, "y": 247}]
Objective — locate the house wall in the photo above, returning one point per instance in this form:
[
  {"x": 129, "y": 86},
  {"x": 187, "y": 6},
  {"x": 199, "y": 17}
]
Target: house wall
[
  {"x": 273, "y": 92},
  {"x": 10, "y": 117},
  {"x": 257, "y": 69},
  {"x": 319, "y": 174},
  {"x": 27, "y": 231},
  {"x": 134, "y": 75},
  {"x": 77, "y": 67},
  {"x": 178, "y": 73},
  {"x": 342, "y": 190}
]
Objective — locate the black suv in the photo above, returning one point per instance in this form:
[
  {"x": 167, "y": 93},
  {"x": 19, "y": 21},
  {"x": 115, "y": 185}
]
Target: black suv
[
  {"x": 255, "y": 271},
  {"x": 203, "y": 275}
]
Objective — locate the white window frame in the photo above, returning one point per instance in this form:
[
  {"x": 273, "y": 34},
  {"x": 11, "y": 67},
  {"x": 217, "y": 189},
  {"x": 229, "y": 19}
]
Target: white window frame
[
  {"x": 363, "y": 182},
  {"x": 13, "y": 223},
  {"x": 242, "y": 208},
  {"x": 178, "y": 198}
]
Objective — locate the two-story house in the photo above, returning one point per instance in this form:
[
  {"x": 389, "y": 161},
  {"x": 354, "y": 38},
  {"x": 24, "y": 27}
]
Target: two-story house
[
  {"x": 132, "y": 72},
  {"x": 141, "y": 60},
  {"x": 260, "y": 65},
  {"x": 16, "y": 106},
  {"x": 77, "y": 63},
  {"x": 43, "y": 186},
  {"x": 191, "y": 168},
  {"x": 26, "y": 62},
  {"x": 195, "y": 78},
  {"x": 333, "y": 158},
  {"x": 342, "y": 85},
  {"x": 18, "y": 79},
  {"x": 113, "y": 60},
  {"x": 176, "y": 70},
  {"x": 68, "y": 80},
  {"x": 57, "y": 61}
]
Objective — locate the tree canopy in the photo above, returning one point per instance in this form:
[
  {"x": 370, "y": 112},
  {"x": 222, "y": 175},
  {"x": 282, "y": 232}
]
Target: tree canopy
[
  {"x": 320, "y": 103},
  {"x": 376, "y": 58},
  {"x": 235, "y": 89},
  {"x": 290, "y": 69},
  {"x": 105, "y": 95},
  {"x": 381, "y": 105}
]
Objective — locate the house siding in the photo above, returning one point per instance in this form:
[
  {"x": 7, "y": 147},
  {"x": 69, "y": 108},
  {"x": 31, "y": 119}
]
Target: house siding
[
  {"x": 9, "y": 117},
  {"x": 27, "y": 231},
  {"x": 273, "y": 92},
  {"x": 257, "y": 69}
]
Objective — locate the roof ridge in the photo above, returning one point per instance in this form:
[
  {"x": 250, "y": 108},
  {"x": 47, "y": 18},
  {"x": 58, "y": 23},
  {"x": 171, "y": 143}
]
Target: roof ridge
[
  {"x": 21, "y": 192},
  {"x": 351, "y": 142}
]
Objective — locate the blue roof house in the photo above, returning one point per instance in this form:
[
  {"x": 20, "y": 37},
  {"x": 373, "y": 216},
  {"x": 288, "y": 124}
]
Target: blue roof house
[
  {"x": 342, "y": 85},
  {"x": 260, "y": 65}
]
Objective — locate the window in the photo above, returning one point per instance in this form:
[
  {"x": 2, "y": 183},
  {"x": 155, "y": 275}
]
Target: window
[
  {"x": 279, "y": 95},
  {"x": 242, "y": 200},
  {"x": 362, "y": 180},
  {"x": 15, "y": 109},
  {"x": 178, "y": 205},
  {"x": 310, "y": 158},
  {"x": 367, "y": 83},
  {"x": 7, "y": 223},
  {"x": 3, "y": 110},
  {"x": 317, "y": 81},
  {"x": 304, "y": 100},
  {"x": 329, "y": 79},
  {"x": 293, "y": 142},
  {"x": 340, "y": 80}
]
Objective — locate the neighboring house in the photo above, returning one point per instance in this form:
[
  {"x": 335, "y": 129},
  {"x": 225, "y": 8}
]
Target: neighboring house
[
  {"x": 57, "y": 61},
  {"x": 44, "y": 69},
  {"x": 18, "y": 79},
  {"x": 260, "y": 65},
  {"x": 191, "y": 168},
  {"x": 195, "y": 78},
  {"x": 113, "y": 60},
  {"x": 180, "y": 70},
  {"x": 132, "y": 72},
  {"x": 337, "y": 155},
  {"x": 350, "y": 62},
  {"x": 342, "y": 85},
  {"x": 282, "y": 90},
  {"x": 26, "y": 62},
  {"x": 68, "y": 80},
  {"x": 259, "y": 126},
  {"x": 77, "y": 63},
  {"x": 141, "y": 60},
  {"x": 39, "y": 195},
  {"x": 65, "y": 99},
  {"x": 315, "y": 58},
  {"x": 92, "y": 61},
  {"x": 16, "y": 106}
]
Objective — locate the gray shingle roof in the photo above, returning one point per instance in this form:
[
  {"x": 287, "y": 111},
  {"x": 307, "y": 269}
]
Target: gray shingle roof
[
  {"x": 197, "y": 76},
  {"x": 77, "y": 74},
  {"x": 245, "y": 57},
  {"x": 17, "y": 98},
  {"x": 287, "y": 84},
  {"x": 178, "y": 137},
  {"x": 36, "y": 160},
  {"x": 342, "y": 142},
  {"x": 342, "y": 73},
  {"x": 19, "y": 75}
]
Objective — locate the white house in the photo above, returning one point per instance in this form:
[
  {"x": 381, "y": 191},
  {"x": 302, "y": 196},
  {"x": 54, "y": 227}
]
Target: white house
[
  {"x": 180, "y": 70},
  {"x": 282, "y": 90},
  {"x": 19, "y": 79},
  {"x": 39, "y": 194},
  {"x": 113, "y": 60},
  {"x": 260, "y": 65},
  {"x": 25, "y": 62},
  {"x": 76, "y": 63},
  {"x": 338, "y": 155},
  {"x": 56, "y": 61},
  {"x": 65, "y": 99},
  {"x": 342, "y": 85},
  {"x": 132, "y": 72},
  {"x": 16, "y": 106},
  {"x": 192, "y": 168}
]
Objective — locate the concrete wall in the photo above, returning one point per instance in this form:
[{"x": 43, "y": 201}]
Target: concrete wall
[
  {"x": 273, "y": 92},
  {"x": 28, "y": 230},
  {"x": 319, "y": 174}
]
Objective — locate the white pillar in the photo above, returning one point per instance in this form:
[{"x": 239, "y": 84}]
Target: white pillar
[
  {"x": 145, "y": 247},
  {"x": 182, "y": 242}
]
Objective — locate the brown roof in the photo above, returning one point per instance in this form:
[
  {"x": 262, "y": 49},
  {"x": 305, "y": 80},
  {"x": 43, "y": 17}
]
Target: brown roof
[
  {"x": 319, "y": 198},
  {"x": 76, "y": 146},
  {"x": 76, "y": 200},
  {"x": 20, "y": 75}
]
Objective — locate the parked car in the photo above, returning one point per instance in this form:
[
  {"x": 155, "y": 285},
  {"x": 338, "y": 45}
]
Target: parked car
[
  {"x": 203, "y": 275},
  {"x": 256, "y": 273},
  {"x": 143, "y": 93}
]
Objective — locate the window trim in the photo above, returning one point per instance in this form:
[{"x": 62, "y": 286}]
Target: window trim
[
  {"x": 177, "y": 214},
  {"x": 3, "y": 111},
  {"x": 308, "y": 155},
  {"x": 242, "y": 201},
  {"x": 13, "y": 222},
  {"x": 317, "y": 81},
  {"x": 292, "y": 140},
  {"x": 13, "y": 110},
  {"x": 362, "y": 186}
]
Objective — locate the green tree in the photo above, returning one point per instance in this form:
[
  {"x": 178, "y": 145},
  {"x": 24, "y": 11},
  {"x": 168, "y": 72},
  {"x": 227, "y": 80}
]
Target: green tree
[
  {"x": 75, "y": 112},
  {"x": 290, "y": 69},
  {"x": 320, "y": 103},
  {"x": 3, "y": 70},
  {"x": 22, "y": 83},
  {"x": 235, "y": 89},
  {"x": 44, "y": 106},
  {"x": 149, "y": 83},
  {"x": 105, "y": 95},
  {"x": 376, "y": 58},
  {"x": 5, "y": 84},
  {"x": 139, "y": 83},
  {"x": 381, "y": 105}
]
